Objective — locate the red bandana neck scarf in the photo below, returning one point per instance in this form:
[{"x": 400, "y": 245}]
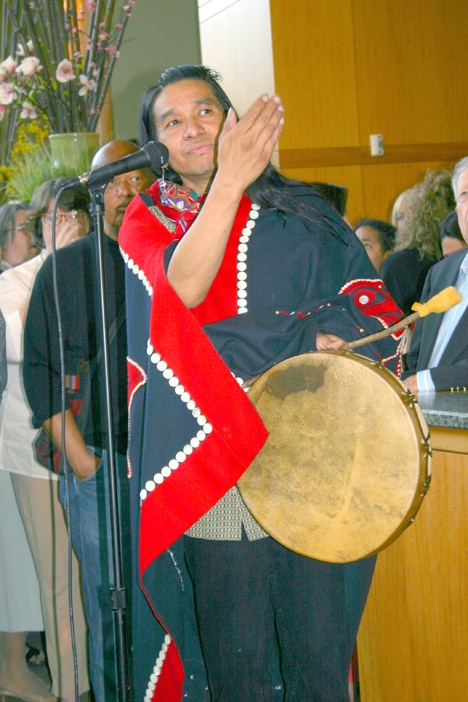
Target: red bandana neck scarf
[{"x": 181, "y": 199}]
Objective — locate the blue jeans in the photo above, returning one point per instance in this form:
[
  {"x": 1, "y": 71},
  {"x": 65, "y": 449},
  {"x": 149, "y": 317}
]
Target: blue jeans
[{"x": 91, "y": 537}]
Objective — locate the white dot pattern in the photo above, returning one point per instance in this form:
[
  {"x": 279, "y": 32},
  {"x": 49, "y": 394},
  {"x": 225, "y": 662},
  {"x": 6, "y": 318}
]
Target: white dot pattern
[
  {"x": 136, "y": 270},
  {"x": 242, "y": 251},
  {"x": 184, "y": 395},
  {"x": 168, "y": 373},
  {"x": 156, "y": 672}
]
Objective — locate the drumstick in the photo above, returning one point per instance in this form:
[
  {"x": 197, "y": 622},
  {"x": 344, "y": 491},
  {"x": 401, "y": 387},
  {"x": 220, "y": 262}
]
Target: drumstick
[{"x": 443, "y": 301}]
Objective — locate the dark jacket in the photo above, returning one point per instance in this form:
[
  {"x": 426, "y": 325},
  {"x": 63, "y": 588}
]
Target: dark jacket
[
  {"x": 404, "y": 274},
  {"x": 452, "y": 371},
  {"x": 81, "y": 328}
]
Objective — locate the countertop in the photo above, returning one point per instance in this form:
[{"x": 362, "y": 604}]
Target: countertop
[{"x": 445, "y": 409}]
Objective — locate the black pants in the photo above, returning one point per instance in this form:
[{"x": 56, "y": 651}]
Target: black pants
[{"x": 262, "y": 609}]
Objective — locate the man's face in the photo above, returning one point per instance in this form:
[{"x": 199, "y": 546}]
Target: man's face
[
  {"x": 118, "y": 195},
  {"x": 369, "y": 238},
  {"x": 188, "y": 120},
  {"x": 462, "y": 204}
]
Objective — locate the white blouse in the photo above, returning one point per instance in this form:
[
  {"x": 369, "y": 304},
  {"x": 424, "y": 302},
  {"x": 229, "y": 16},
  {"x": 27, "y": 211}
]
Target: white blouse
[{"x": 16, "y": 431}]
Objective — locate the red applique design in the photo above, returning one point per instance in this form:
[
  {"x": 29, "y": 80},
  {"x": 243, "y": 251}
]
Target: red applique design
[
  {"x": 372, "y": 299},
  {"x": 136, "y": 377}
]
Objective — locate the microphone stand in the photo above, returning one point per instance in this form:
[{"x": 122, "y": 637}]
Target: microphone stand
[{"x": 117, "y": 591}]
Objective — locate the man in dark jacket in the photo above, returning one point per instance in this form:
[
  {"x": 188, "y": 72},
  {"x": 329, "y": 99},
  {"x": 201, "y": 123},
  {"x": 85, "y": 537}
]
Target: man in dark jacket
[{"x": 438, "y": 356}]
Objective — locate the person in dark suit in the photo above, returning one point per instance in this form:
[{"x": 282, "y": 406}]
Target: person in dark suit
[{"x": 438, "y": 355}]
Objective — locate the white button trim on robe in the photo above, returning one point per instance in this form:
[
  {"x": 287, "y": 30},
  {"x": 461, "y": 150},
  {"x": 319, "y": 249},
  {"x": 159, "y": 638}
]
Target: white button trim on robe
[
  {"x": 242, "y": 252},
  {"x": 206, "y": 428},
  {"x": 153, "y": 681}
]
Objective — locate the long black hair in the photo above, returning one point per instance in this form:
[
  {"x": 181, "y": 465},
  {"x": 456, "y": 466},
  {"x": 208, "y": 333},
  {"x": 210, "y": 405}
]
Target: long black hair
[{"x": 271, "y": 190}]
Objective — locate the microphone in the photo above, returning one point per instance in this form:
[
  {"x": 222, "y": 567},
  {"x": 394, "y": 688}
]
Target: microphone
[{"x": 152, "y": 155}]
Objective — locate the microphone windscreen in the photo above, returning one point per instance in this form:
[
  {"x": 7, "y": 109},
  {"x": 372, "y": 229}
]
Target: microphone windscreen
[{"x": 157, "y": 153}]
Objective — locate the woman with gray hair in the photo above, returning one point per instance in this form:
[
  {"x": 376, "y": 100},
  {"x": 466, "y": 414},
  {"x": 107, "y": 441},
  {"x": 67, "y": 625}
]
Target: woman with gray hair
[
  {"x": 73, "y": 210},
  {"x": 33, "y": 489},
  {"x": 16, "y": 245}
]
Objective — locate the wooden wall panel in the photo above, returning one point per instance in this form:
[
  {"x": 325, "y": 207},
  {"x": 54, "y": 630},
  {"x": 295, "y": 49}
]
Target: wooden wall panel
[
  {"x": 413, "y": 641},
  {"x": 410, "y": 65},
  {"x": 314, "y": 72},
  {"x": 372, "y": 189},
  {"x": 381, "y": 185},
  {"x": 349, "y": 176}
]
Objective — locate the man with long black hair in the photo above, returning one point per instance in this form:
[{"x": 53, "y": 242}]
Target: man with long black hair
[{"x": 230, "y": 268}]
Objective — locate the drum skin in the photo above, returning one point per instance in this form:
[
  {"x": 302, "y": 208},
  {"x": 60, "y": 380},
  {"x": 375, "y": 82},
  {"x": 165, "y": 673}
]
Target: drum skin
[{"x": 347, "y": 461}]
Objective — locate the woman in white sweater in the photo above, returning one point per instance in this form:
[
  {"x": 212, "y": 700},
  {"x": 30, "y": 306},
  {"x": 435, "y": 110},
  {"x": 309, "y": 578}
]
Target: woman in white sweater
[{"x": 33, "y": 506}]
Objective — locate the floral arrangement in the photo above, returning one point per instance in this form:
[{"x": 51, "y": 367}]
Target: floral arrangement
[
  {"x": 29, "y": 157},
  {"x": 32, "y": 164},
  {"x": 61, "y": 55},
  {"x": 29, "y": 137}
]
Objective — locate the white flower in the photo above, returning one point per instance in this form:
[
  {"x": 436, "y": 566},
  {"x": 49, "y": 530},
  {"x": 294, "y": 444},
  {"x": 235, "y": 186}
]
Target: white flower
[
  {"x": 28, "y": 111},
  {"x": 29, "y": 66},
  {"x": 64, "y": 71},
  {"x": 8, "y": 66},
  {"x": 21, "y": 51},
  {"x": 87, "y": 85},
  {"x": 7, "y": 94}
]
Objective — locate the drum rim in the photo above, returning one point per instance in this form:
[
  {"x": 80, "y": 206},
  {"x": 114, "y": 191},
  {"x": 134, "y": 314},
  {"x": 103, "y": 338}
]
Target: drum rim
[{"x": 418, "y": 423}]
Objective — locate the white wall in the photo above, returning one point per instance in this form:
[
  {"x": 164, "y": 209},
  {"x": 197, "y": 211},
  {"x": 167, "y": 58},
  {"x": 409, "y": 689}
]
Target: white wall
[
  {"x": 235, "y": 38},
  {"x": 160, "y": 33}
]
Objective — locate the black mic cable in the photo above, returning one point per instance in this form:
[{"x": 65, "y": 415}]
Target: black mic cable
[{"x": 66, "y": 466}]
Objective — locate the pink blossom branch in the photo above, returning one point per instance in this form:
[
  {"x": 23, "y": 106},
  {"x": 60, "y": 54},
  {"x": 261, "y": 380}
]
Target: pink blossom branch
[
  {"x": 98, "y": 100},
  {"x": 53, "y": 29}
]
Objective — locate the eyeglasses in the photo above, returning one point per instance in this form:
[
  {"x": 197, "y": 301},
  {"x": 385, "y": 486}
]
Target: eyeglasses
[
  {"x": 11, "y": 230},
  {"x": 67, "y": 216},
  {"x": 19, "y": 228}
]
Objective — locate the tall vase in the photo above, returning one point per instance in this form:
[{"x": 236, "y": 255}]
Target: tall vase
[{"x": 72, "y": 152}]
